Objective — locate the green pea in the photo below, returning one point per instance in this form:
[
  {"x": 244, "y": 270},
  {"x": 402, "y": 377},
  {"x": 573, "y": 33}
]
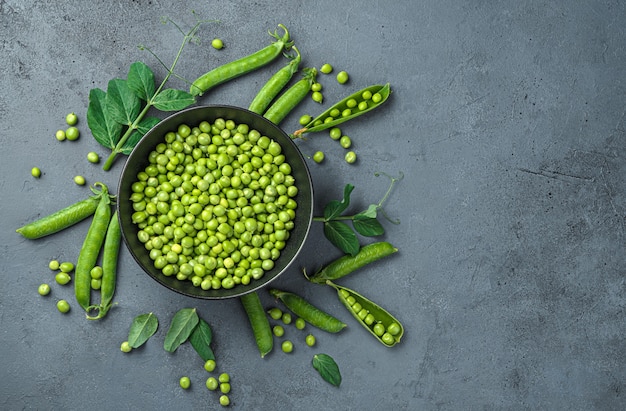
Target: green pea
[
  {"x": 184, "y": 382},
  {"x": 316, "y": 86},
  {"x": 62, "y": 278},
  {"x": 80, "y": 180},
  {"x": 317, "y": 96},
  {"x": 66, "y": 267},
  {"x": 350, "y": 157},
  {"x": 224, "y": 400},
  {"x": 96, "y": 284},
  {"x": 223, "y": 377},
  {"x": 54, "y": 265},
  {"x": 72, "y": 133},
  {"x": 366, "y": 95},
  {"x": 96, "y": 272},
  {"x": 388, "y": 339},
  {"x": 71, "y": 119},
  {"x": 286, "y": 318},
  {"x": 310, "y": 340},
  {"x": 44, "y": 289},
  {"x": 394, "y": 329},
  {"x": 225, "y": 388},
  {"x": 326, "y": 68},
  {"x": 275, "y": 313},
  {"x": 278, "y": 330},
  {"x": 300, "y": 323},
  {"x": 93, "y": 157},
  {"x": 212, "y": 383},
  {"x": 209, "y": 365},
  {"x": 287, "y": 346},
  {"x": 379, "y": 329},
  {"x": 345, "y": 142},
  {"x": 305, "y": 119},
  {"x": 35, "y": 172},
  {"x": 217, "y": 44},
  {"x": 126, "y": 347},
  {"x": 60, "y": 135},
  {"x": 377, "y": 97},
  {"x": 342, "y": 77},
  {"x": 63, "y": 306},
  {"x": 335, "y": 133}
]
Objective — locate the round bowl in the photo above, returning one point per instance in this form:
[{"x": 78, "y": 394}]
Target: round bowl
[{"x": 138, "y": 160}]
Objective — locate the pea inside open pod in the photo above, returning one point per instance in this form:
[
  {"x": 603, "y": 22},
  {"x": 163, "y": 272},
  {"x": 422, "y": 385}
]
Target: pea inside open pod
[{"x": 139, "y": 159}]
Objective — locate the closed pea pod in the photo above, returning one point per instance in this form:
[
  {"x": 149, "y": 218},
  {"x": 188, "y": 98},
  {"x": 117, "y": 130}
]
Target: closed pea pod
[
  {"x": 309, "y": 312},
  {"x": 91, "y": 249},
  {"x": 325, "y": 120},
  {"x": 63, "y": 218},
  {"x": 347, "y": 264},
  {"x": 110, "y": 254},
  {"x": 291, "y": 97},
  {"x": 259, "y": 322},
  {"x": 243, "y": 65},
  {"x": 378, "y": 321},
  {"x": 275, "y": 84}
]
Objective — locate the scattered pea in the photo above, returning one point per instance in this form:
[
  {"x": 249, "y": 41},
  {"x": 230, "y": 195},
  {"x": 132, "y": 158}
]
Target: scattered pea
[
  {"x": 318, "y": 157},
  {"x": 287, "y": 346},
  {"x": 217, "y": 44},
  {"x": 212, "y": 383},
  {"x": 317, "y": 96},
  {"x": 184, "y": 382},
  {"x": 342, "y": 77},
  {"x": 278, "y": 330},
  {"x": 224, "y": 377},
  {"x": 80, "y": 180},
  {"x": 335, "y": 133},
  {"x": 53, "y": 265},
  {"x": 96, "y": 283},
  {"x": 225, "y": 387},
  {"x": 300, "y": 323},
  {"x": 224, "y": 400},
  {"x": 66, "y": 267},
  {"x": 305, "y": 119},
  {"x": 316, "y": 86},
  {"x": 44, "y": 289},
  {"x": 209, "y": 365},
  {"x": 63, "y": 306},
  {"x": 71, "y": 119},
  {"x": 62, "y": 278},
  {"x": 72, "y": 133},
  {"x": 60, "y": 135},
  {"x": 350, "y": 157},
  {"x": 126, "y": 347},
  {"x": 326, "y": 68},
  {"x": 275, "y": 313},
  {"x": 286, "y": 318},
  {"x": 310, "y": 340},
  {"x": 96, "y": 272},
  {"x": 345, "y": 142},
  {"x": 35, "y": 172},
  {"x": 93, "y": 157}
]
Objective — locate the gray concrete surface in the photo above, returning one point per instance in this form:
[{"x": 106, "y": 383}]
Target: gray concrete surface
[{"x": 508, "y": 122}]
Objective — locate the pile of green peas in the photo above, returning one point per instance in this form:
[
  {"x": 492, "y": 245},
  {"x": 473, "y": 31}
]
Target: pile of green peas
[{"x": 216, "y": 204}]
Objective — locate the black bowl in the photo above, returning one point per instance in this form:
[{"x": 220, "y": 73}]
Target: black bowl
[{"x": 138, "y": 160}]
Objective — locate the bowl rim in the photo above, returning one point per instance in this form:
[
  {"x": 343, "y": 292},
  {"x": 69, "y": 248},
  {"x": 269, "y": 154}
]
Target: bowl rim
[{"x": 159, "y": 130}]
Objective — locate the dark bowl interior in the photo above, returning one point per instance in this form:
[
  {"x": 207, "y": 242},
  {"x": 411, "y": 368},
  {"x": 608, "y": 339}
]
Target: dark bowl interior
[{"x": 138, "y": 160}]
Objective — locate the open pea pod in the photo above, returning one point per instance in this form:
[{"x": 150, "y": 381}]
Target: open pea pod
[
  {"x": 378, "y": 321},
  {"x": 354, "y": 105}
]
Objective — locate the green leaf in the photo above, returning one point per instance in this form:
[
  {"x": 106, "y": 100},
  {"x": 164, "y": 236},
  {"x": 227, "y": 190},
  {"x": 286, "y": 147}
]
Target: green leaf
[
  {"x": 334, "y": 208},
  {"x": 200, "y": 340},
  {"x": 142, "y": 128},
  {"x": 183, "y": 323},
  {"x": 372, "y": 211},
  {"x": 172, "y": 100},
  {"x": 142, "y": 328},
  {"x": 342, "y": 237},
  {"x": 141, "y": 80},
  {"x": 104, "y": 130},
  {"x": 367, "y": 226},
  {"x": 328, "y": 368},
  {"x": 121, "y": 103}
]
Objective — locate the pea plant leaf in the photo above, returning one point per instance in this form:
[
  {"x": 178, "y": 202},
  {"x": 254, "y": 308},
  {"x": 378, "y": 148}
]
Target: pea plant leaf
[
  {"x": 334, "y": 208},
  {"x": 141, "y": 329},
  {"x": 200, "y": 340},
  {"x": 141, "y": 80},
  {"x": 372, "y": 211},
  {"x": 181, "y": 327},
  {"x": 172, "y": 100},
  {"x": 142, "y": 128},
  {"x": 121, "y": 103},
  {"x": 367, "y": 226},
  {"x": 342, "y": 236},
  {"x": 104, "y": 130},
  {"x": 328, "y": 368}
]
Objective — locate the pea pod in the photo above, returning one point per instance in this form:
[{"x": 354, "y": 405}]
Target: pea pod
[
  {"x": 243, "y": 65},
  {"x": 348, "y": 263},
  {"x": 378, "y": 321},
  {"x": 308, "y": 312},
  {"x": 291, "y": 97},
  {"x": 275, "y": 84},
  {"x": 259, "y": 322},
  {"x": 61, "y": 219},
  {"x": 91, "y": 249},
  {"x": 349, "y": 109},
  {"x": 110, "y": 254}
]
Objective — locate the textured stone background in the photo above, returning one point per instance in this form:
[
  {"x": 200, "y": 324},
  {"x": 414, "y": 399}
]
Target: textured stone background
[{"x": 507, "y": 120}]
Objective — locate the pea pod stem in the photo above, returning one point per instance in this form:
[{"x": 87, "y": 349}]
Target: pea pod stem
[
  {"x": 90, "y": 250},
  {"x": 275, "y": 84},
  {"x": 110, "y": 254},
  {"x": 243, "y": 65},
  {"x": 258, "y": 321},
  {"x": 308, "y": 312},
  {"x": 291, "y": 97},
  {"x": 347, "y": 264}
]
